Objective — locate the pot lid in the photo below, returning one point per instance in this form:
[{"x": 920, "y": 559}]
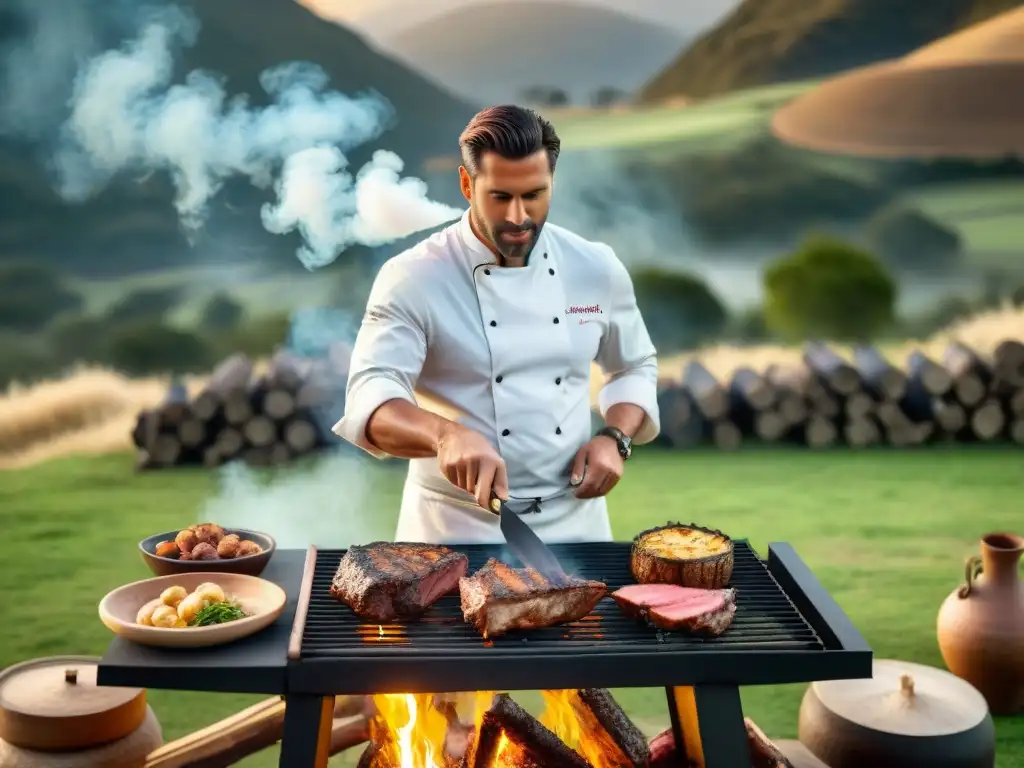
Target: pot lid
[
  {"x": 59, "y": 687},
  {"x": 906, "y": 699}
]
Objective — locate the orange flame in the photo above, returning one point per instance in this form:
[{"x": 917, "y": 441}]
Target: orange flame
[{"x": 410, "y": 730}]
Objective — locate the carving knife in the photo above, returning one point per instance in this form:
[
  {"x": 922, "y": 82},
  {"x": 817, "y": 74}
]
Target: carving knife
[{"x": 525, "y": 543}]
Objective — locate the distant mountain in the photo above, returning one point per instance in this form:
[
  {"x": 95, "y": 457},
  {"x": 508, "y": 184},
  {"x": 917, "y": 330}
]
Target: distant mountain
[
  {"x": 494, "y": 51},
  {"x": 769, "y": 41},
  {"x": 133, "y": 227}
]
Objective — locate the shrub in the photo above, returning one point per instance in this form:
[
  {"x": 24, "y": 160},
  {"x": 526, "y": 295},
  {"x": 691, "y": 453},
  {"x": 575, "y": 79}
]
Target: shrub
[
  {"x": 256, "y": 337},
  {"x": 907, "y": 239},
  {"x": 145, "y": 304},
  {"x": 23, "y": 361},
  {"x": 154, "y": 347},
  {"x": 31, "y": 296},
  {"x": 221, "y": 312},
  {"x": 679, "y": 309},
  {"x": 829, "y": 289},
  {"x": 75, "y": 338}
]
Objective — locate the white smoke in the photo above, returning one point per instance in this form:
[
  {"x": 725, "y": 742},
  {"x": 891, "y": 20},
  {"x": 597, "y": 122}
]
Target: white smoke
[
  {"x": 328, "y": 504},
  {"x": 317, "y": 197},
  {"x": 128, "y": 116}
]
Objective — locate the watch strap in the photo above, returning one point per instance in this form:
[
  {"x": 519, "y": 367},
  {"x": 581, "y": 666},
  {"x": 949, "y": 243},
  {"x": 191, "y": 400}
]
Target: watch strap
[{"x": 622, "y": 441}]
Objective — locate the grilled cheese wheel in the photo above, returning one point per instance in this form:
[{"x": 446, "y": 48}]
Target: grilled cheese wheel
[{"x": 682, "y": 543}]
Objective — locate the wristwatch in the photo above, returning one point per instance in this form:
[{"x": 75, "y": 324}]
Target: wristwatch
[{"x": 622, "y": 440}]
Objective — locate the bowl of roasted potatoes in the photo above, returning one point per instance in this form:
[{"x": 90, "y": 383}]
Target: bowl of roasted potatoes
[
  {"x": 191, "y": 610},
  {"x": 208, "y": 547}
]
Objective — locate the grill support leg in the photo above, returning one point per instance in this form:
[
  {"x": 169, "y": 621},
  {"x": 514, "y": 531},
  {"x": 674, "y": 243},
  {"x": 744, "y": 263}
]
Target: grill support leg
[
  {"x": 306, "y": 740},
  {"x": 707, "y": 721}
]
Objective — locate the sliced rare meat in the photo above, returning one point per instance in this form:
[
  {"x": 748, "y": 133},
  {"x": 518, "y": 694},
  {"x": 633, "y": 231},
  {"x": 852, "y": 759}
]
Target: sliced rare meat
[{"x": 673, "y": 608}]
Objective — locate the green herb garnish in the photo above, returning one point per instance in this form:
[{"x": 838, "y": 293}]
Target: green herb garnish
[{"x": 218, "y": 613}]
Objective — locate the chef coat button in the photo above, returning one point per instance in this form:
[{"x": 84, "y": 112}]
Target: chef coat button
[
  {"x": 493, "y": 324},
  {"x": 558, "y": 380},
  {"x": 545, "y": 255},
  {"x": 551, "y": 271},
  {"x": 558, "y": 430},
  {"x": 487, "y": 271},
  {"x": 504, "y": 433},
  {"x": 498, "y": 378},
  {"x": 556, "y": 321}
]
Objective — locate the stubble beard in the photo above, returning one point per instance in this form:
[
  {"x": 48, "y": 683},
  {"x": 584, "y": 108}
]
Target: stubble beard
[{"x": 511, "y": 251}]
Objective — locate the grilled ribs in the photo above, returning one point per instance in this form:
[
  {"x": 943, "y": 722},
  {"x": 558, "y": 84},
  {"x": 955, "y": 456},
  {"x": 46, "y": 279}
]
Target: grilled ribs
[
  {"x": 499, "y": 598},
  {"x": 384, "y": 581},
  {"x": 671, "y": 607}
]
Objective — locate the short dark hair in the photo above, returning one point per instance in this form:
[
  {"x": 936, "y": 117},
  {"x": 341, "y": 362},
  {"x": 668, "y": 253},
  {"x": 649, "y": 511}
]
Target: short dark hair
[{"x": 512, "y": 132}]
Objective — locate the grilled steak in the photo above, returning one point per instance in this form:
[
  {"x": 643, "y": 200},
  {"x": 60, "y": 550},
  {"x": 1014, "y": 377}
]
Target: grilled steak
[
  {"x": 384, "y": 581},
  {"x": 669, "y": 607},
  {"x": 499, "y": 598}
]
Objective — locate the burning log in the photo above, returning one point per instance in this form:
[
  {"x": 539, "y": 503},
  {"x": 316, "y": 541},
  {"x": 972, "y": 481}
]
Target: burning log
[
  {"x": 707, "y": 394},
  {"x": 611, "y": 737},
  {"x": 881, "y": 379},
  {"x": 832, "y": 370},
  {"x": 763, "y": 752},
  {"x": 507, "y": 726}
]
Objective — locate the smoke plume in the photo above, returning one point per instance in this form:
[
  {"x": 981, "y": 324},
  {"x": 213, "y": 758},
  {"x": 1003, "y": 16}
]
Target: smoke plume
[{"x": 129, "y": 116}]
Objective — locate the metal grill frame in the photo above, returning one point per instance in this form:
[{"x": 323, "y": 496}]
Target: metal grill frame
[{"x": 842, "y": 654}]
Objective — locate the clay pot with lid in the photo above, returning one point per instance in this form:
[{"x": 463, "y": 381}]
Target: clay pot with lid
[
  {"x": 905, "y": 715},
  {"x": 52, "y": 712},
  {"x": 981, "y": 624}
]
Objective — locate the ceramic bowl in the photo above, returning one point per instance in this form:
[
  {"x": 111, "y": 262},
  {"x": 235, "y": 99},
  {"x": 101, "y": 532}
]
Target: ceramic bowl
[
  {"x": 251, "y": 565},
  {"x": 261, "y": 599}
]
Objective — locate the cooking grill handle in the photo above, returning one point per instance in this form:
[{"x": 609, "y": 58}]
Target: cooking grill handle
[{"x": 302, "y": 606}]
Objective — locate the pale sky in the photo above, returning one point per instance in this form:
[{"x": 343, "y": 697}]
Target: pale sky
[{"x": 382, "y": 18}]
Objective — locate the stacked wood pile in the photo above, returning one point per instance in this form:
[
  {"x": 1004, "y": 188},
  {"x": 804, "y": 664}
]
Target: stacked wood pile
[
  {"x": 857, "y": 402},
  {"x": 263, "y": 420}
]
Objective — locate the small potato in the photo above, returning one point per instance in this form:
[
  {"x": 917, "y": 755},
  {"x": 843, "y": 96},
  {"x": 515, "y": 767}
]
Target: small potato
[
  {"x": 167, "y": 549},
  {"x": 186, "y": 540},
  {"x": 190, "y": 606},
  {"x": 210, "y": 592},
  {"x": 204, "y": 551},
  {"x": 247, "y": 548},
  {"x": 165, "y": 616},
  {"x": 145, "y": 614},
  {"x": 173, "y": 595},
  {"x": 228, "y": 546},
  {"x": 209, "y": 533}
]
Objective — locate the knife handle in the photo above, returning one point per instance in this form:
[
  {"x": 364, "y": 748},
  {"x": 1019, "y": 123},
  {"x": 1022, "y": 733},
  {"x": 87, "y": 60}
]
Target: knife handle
[{"x": 496, "y": 503}]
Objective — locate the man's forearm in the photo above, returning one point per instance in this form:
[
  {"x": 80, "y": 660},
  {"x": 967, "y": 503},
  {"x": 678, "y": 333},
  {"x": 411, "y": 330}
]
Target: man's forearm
[
  {"x": 406, "y": 431},
  {"x": 627, "y": 417}
]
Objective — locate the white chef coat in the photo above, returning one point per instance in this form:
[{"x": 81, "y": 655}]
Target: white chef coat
[{"x": 509, "y": 351}]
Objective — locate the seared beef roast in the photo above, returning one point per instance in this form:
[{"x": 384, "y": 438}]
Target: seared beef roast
[
  {"x": 384, "y": 581},
  {"x": 670, "y": 607},
  {"x": 499, "y": 598}
]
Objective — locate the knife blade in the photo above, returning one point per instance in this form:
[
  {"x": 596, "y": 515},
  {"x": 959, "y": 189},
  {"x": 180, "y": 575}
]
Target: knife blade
[{"x": 525, "y": 543}]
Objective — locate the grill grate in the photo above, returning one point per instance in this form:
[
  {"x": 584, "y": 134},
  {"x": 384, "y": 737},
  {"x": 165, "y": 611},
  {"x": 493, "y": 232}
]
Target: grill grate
[{"x": 765, "y": 619}]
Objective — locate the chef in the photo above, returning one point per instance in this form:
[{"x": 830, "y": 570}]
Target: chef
[{"x": 496, "y": 321}]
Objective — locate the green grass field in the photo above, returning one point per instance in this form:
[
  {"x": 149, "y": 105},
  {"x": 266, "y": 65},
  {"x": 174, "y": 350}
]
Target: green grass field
[{"x": 886, "y": 532}]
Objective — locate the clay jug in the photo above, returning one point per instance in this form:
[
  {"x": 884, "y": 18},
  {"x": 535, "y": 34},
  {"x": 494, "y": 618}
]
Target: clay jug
[{"x": 981, "y": 624}]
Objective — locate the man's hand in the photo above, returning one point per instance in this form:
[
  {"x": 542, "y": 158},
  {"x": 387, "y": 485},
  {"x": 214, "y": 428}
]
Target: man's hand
[
  {"x": 597, "y": 468},
  {"x": 471, "y": 463}
]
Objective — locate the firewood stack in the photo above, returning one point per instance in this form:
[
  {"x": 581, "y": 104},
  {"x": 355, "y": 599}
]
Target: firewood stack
[
  {"x": 858, "y": 402},
  {"x": 263, "y": 420}
]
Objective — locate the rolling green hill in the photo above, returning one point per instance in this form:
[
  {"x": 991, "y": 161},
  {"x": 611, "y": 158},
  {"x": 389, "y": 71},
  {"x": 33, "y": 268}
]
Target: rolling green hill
[
  {"x": 132, "y": 227},
  {"x": 771, "y": 41}
]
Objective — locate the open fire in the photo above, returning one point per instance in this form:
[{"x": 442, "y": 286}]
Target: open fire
[{"x": 583, "y": 728}]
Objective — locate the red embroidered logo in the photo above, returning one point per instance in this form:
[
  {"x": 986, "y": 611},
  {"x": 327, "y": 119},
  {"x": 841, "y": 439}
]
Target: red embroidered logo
[{"x": 589, "y": 309}]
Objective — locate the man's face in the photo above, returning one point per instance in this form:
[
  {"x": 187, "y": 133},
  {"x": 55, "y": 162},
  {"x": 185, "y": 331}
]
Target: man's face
[{"x": 509, "y": 201}]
